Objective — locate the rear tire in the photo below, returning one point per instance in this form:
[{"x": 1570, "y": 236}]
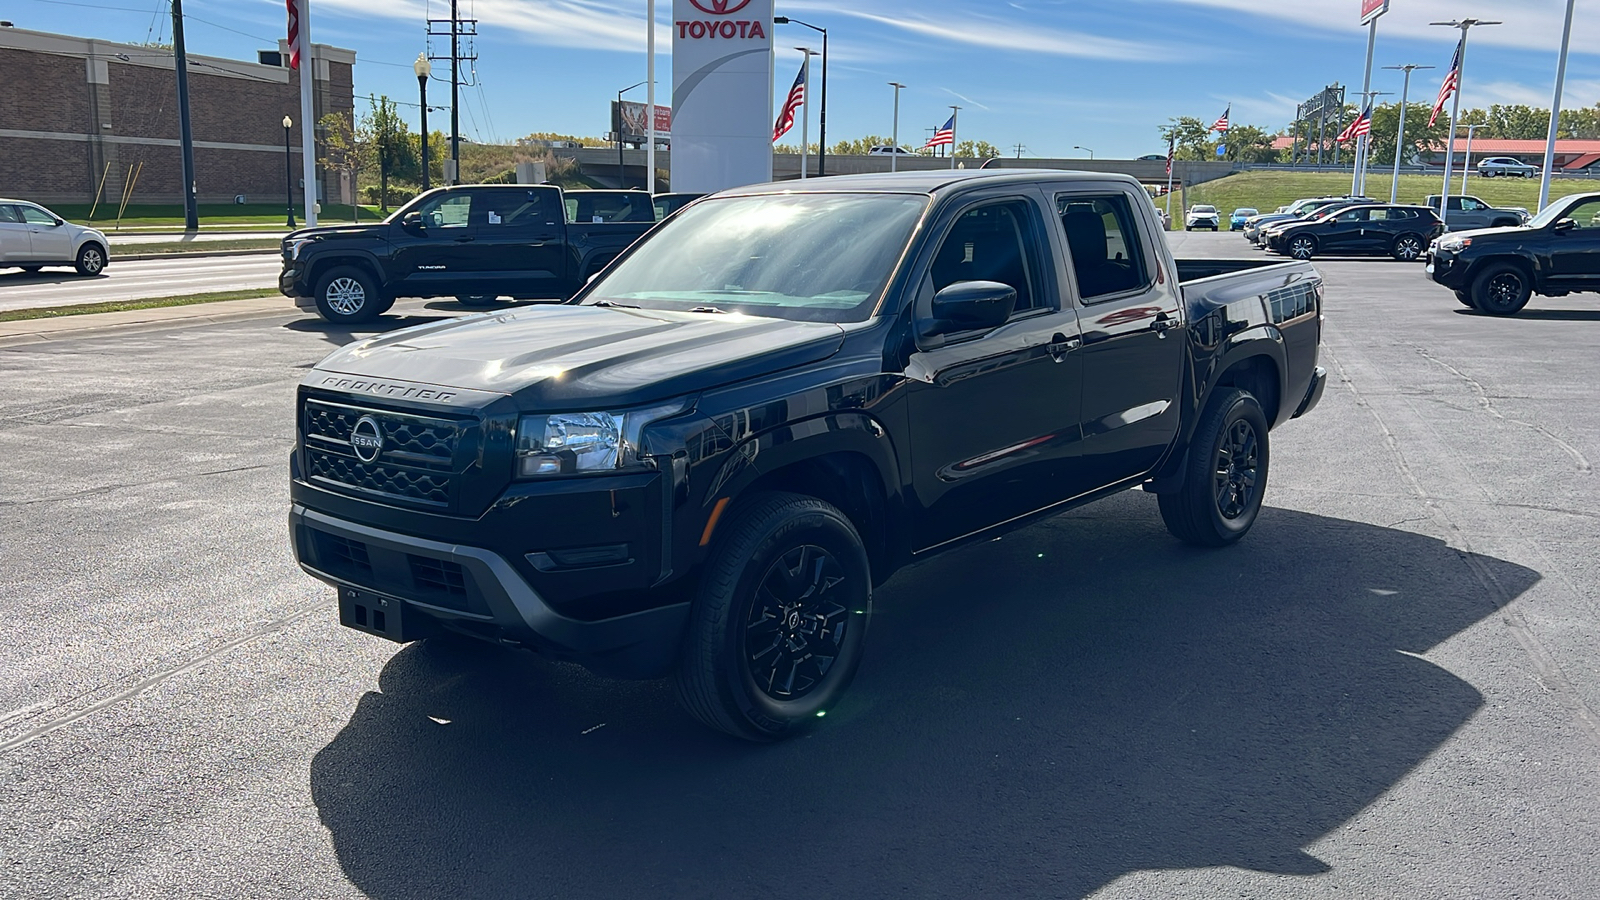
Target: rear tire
[
  {"x": 1225, "y": 473},
  {"x": 776, "y": 630},
  {"x": 1502, "y": 289},
  {"x": 91, "y": 259},
  {"x": 347, "y": 294},
  {"x": 1407, "y": 247}
]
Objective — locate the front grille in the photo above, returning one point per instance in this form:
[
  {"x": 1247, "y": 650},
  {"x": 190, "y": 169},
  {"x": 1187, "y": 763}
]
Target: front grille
[
  {"x": 416, "y": 461},
  {"x": 440, "y": 575},
  {"x": 342, "y": 556},
  {"x": 391, "y": 481}
]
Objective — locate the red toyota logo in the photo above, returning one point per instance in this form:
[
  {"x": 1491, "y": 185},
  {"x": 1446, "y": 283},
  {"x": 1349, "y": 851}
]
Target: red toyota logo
[{"x": 720, "y": 7}]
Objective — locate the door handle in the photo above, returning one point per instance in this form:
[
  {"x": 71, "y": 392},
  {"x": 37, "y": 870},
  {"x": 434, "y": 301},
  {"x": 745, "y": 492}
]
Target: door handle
[
  {"x": 1162, "y": 324},
  {"x": 463, "y": 240},
  {"x": 1060, "y": 345}
]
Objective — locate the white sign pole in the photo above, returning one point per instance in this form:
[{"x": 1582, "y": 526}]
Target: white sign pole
[
  {"x": 308, "y": 122},
  {"x": 1555, "y": 112}
]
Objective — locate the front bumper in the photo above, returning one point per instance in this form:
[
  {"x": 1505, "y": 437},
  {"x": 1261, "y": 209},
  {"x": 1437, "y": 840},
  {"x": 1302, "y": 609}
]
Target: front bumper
[
  {"x": 1446, "y": 267},
  {"x": 292, "y": 283},
  {"x": 404, "y": 587}
]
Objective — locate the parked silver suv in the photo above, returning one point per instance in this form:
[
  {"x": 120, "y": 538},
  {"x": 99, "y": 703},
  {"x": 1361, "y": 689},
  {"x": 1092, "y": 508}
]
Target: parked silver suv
[{"x": 1504, "y": 165}]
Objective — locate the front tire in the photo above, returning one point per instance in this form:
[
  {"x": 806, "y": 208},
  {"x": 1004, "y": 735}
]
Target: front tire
[
  {"x": 1302, "y": 246},
  {"x": 1407, "y": 247},
  {"x": 776, "y": 631},
  {"x": 1502, "y": 289},
  {"x": 1465, "y": 299},
  {"x": 1225, "y": 473},
  {"x": 91, "y": 260},
  {"x": 347, "y": 294}
]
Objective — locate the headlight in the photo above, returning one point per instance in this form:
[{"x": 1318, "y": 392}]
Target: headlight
[
  {"x": 294, "y": 247},
  {"x": 573, "y": 443},
  {"x": 1455, "y": 244}
]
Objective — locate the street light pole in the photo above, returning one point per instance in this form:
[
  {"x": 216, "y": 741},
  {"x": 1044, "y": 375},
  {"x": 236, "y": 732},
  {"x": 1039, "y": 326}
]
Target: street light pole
[
  {"x": 423, "y": 69},
  {"x": 1466, "y": 164},
  {"x": 894, "y": 157},
  {"x": 1555, "y": 112},
  {"x": 1084, "y": 149},
  {"x": 622, "y": 178},
  {"x": 288, "y": 172},
  {"x": 1455, "y": 108},
  {"x": 822, "y": 117},
  {"x": 1400, "y": 141}
]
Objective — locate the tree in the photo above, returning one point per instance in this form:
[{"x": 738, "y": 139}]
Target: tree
[
  {"x": 1247, "y": 143},
  {"x": 391, "y": 145},
  {"x": 1191, "y": 137},
  {"x": 1420, "y": 139},
  {"x": 342, "y": 146},
  {"x": 978, "y": 149},
  {"x": 860, "y": 146}
]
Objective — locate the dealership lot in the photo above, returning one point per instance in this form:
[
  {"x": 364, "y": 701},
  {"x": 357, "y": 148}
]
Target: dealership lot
[{"x": 1389, "y": 689}]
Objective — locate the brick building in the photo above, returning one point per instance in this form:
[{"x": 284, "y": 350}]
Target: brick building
[{"x": 74, "y": 110}]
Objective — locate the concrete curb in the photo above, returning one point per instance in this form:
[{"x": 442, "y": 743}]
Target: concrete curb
[
  {"x": 38, "y": 331},
  {"x": 187, "y": 254}
]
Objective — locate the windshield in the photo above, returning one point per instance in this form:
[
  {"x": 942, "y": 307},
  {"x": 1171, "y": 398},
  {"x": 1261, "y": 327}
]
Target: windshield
[
  {"x": 1244, "y": 211},
  {"x": 812, "y": 257},
  {"x": 1553, "y": 213},
  {"x": 1205, "y": 209}
]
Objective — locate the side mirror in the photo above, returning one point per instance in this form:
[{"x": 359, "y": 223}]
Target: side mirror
[
  {"x": 971, "y": 305},
  {"x": 412, "y": 221},
  {"x": 1564, "y": 225}
]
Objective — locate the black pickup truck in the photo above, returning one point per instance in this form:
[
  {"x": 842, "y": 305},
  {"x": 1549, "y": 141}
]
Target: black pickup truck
[
  {"x": 705, "y": 462},
  {"x": 1497, "y": 270},
  {"x": 472, "y": 242}
]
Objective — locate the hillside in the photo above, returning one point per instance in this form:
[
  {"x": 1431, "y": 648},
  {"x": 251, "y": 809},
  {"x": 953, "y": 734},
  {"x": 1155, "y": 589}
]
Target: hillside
[{"x": 1268, "y": 190}]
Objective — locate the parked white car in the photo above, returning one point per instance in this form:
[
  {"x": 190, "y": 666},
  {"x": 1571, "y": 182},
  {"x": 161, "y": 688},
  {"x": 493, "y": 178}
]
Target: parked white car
[
  {"x": 32, "y": 237},
  {"x": 1497, "y": 166},
  {"x": 1202, "y": 215},
  {"x": 888, "y": 150}
]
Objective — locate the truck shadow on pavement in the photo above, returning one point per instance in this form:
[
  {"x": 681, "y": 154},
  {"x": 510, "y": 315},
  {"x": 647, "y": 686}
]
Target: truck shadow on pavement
[
  {"x": 1540, "y": 315},
  {"x": 1036, "y": 716},
  {"x": 339, "y": 334}
]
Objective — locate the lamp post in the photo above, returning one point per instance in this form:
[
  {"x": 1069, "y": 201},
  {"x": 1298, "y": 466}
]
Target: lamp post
[
  {"x": 288, "y": 173},
  {"x": 1455, "y": 106},
  {"x": 1076, "y": 147},
  {"x": 424, "y": 69},
  {"x": 894, "y": 157},
  {"x": 1466, "y": 163},
  {"x": 622, "y": 178},
  {"x": 1400, "y": 140},
  {"x": 822, "y": 118},
  {"x": 1555, "y": 113}
]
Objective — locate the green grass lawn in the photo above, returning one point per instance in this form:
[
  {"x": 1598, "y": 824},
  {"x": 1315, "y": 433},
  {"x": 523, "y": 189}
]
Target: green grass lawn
[
  {"x": 1268, "y": 190},
  {"x": 266, "y": 215},
  {"x": 84, "y": 309},
  {"x": 269, "y": 243}
]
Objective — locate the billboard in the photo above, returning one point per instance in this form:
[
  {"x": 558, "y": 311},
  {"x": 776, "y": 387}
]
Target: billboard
[
  {"x": 628, "y": 119},
  {"x": 1371, "y": 9},
  {"x": 721, "y": 93}
]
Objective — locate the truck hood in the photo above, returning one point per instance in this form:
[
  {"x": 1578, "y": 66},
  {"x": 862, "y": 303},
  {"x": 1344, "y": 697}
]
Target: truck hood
[
  {"x": 337, "y": 232},
  {"x": 1475, "y": 233},
  {"x": 567, "y": 358}
]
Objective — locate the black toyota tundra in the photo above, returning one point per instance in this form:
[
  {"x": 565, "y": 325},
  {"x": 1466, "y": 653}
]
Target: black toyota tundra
[
  {"x": 704, "y": 463},
  {"x": 473, "y": 242},
  {"x": 1497, "y": 270}
]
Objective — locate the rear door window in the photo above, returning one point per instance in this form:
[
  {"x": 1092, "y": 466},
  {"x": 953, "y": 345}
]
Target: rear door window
[{"x": 1107, "y": 256}]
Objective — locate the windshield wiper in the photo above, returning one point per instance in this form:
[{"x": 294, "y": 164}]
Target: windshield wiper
[
  {"x": 614, "y": 304},
  {"x": 706, "y": 309}
]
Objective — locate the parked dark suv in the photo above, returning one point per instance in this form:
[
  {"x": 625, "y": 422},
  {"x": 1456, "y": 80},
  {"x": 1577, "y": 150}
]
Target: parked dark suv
[{"x": 1402, "y": 232}]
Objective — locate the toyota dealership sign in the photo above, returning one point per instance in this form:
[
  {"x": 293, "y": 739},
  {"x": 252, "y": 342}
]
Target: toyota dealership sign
[
  {"x": 1370, "y": 9},
  {"x": 721, "y": 93}
]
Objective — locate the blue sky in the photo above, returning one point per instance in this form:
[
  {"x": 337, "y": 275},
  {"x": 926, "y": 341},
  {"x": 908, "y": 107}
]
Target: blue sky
[{"x": 1050, "y": 74}]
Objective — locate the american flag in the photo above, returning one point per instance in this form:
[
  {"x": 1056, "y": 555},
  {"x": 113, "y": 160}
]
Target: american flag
[
  {"x": 1222, "y": 123},
  {"x": 797, "y": 99},
  {"x": 1362, "y": 125},
  {"x": 294, "y": 33},
  {"x": 1452, "y": 82},
  {"x": 945, "y": 136}
]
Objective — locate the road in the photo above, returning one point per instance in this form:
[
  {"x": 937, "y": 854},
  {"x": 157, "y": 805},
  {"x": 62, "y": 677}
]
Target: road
[
  {"x": 1387, "y": 690},
  {"x": 138, "y": 279}
]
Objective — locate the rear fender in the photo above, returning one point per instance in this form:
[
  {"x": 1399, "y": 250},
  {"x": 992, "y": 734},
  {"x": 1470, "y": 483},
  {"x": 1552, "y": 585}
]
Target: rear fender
[{"x": 1261, "y": 342}]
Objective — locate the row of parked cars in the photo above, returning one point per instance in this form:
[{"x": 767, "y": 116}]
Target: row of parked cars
[{"x": 1354, "y": 225}]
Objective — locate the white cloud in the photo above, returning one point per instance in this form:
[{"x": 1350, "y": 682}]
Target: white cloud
[
  {"x": 562, "y": 23},
  {"x": 979, "y": 30},
  {"x": 1531, "y": 24}
]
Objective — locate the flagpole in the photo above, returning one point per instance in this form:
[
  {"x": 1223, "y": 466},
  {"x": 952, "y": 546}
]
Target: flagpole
[
  {"x": 1455, "y": 107},
  {"x": 1358, "y": 181},
  {"x": 308, "y": 124},
  {"x": 955, "y": 110},
  {"x": 805, "y": 110},
  {"x": 1555, "y": 113}
]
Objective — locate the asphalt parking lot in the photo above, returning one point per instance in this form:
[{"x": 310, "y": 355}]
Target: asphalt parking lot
[{"x": 1389, "y": 689}]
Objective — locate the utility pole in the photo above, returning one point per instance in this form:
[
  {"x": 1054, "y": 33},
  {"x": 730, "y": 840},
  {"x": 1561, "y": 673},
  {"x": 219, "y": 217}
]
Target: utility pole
[
  {"x": 459, "y": 28},
  {"x": 1400, "y": 140},
  {"x": 1019, "y": 148},
  {"x": 191, "y": 211}
]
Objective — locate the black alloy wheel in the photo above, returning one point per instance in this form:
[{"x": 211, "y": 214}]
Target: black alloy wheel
[
  {"x": 1502, "y": 289},
  {"x": 1224, "y": 475},
  {"x": 1302, "y": 246},
  {"x": 1407, "y": 247},
  {"x": 796, "y": 626},
  {"x": 778, "y": 623}
]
